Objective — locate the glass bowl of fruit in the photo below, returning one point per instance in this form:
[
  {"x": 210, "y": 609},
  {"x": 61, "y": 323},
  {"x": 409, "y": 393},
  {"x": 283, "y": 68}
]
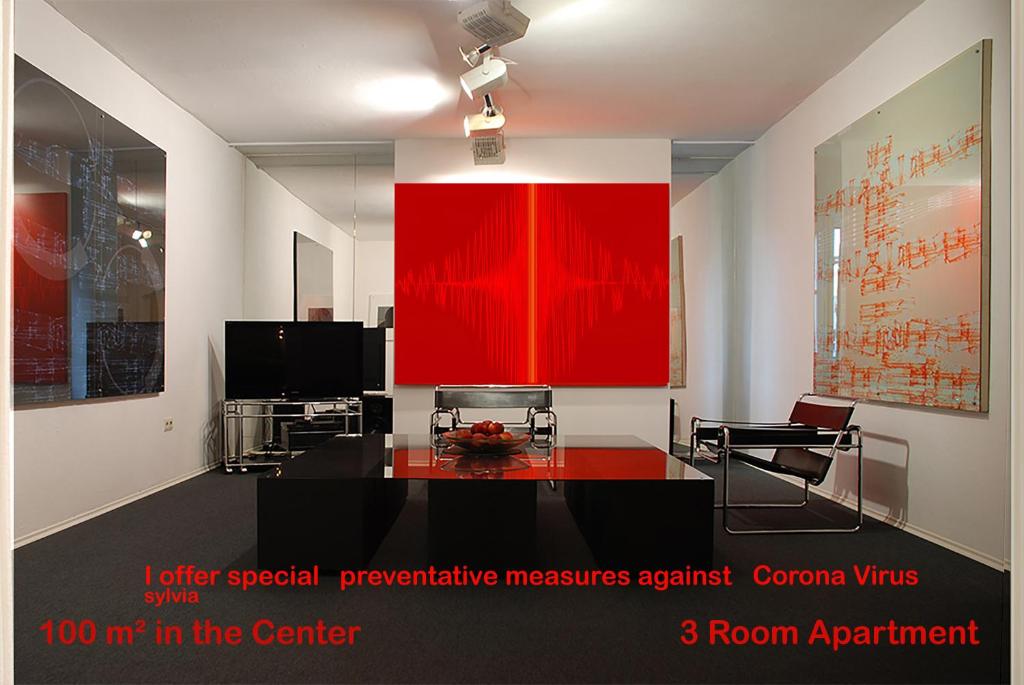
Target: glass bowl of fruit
[{"x": 485, "y": 437}]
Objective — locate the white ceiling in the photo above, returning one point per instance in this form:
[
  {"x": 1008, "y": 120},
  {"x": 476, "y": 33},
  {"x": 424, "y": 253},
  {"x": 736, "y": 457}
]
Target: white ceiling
[
  {"x": 330, "y": 190},
  {"x": 351, "y": 185},
  {"x": 298, "y": 70},
  {"x": 356, "y": 70}
]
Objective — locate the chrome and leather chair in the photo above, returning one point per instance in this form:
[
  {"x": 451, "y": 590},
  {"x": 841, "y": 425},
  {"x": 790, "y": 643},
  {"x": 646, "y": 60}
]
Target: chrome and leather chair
[
  {"x": 804, "y": 448},
  {"x": 537, "y": 400}
]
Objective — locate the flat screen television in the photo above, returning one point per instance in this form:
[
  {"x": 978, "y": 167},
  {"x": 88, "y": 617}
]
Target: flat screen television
[
  {"x": 373, "y": 358},
  {"x": 293, "y": 360}
]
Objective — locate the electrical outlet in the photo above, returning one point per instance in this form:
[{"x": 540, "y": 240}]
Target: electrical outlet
[{"x": 168, "y": 424}]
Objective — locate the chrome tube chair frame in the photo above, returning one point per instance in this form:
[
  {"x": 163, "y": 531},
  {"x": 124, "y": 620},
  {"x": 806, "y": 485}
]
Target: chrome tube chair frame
[
  {"x": 537, "y": 400},
  {"x": 847, "y": 438},
  {"x": 702, "y": 436}
]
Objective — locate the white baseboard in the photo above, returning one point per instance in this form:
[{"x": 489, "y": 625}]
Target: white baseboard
[
  {"x": 998, "y": 563},
  {"x": 98, "y": 511},
  {"x": 848, "y": 502}
]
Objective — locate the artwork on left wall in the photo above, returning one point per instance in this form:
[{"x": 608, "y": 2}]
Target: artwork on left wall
[{"x": 89, "y": 248}]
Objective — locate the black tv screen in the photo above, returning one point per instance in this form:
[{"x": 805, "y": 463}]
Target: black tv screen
[
  {"x": 373, "y": 358},
  {"x": 293, "y": 360}
]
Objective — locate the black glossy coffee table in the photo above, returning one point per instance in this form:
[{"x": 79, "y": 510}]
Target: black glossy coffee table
[{"x": 635, "y": 505}]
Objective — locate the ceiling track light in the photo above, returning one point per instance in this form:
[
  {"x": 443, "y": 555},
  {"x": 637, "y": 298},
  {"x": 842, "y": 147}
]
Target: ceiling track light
[
  {"x": 495, "y": 23},
  {"x": 472, "y": 58},
  {"x": 488, "y": 147},
  {"x": 488, "y": 76},
  {"x": 489, "y": 119},
  {"x": 490, "y": 109}
]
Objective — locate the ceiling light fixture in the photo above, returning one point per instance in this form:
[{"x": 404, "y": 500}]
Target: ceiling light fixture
[
  {"x": 485, "y": 78},
  {"x": 495, "y": 22},
  {"x": 481, "y": 123},
  {"x": 472, "y": 58},
  {"x": 490, "y": 119},
  {"x": 403, "y": 94},
  {"x": 484, "y": 130},
  {"x": 488, "y": 148}
]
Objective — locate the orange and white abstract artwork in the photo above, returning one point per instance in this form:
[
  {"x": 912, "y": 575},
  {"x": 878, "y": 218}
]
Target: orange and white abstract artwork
[{"x": 901, "y": 238}]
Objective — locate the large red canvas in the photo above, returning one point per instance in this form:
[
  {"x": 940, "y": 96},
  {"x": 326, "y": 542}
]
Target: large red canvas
[
  {"x": 40, "y": 288},
  {"x": 564, "y": 284}
]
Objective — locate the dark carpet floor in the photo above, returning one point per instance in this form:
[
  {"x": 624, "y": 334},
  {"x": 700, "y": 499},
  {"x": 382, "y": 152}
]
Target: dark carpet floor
[{"x": 583, "y": 635}]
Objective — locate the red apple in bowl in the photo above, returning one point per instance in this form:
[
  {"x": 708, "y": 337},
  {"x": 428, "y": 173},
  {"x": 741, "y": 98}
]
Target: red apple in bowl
[{"x": 486, "y": 437}]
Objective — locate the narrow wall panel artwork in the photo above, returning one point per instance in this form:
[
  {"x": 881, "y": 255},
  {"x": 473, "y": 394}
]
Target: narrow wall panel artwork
[
  {"x": 677, "y": 316},
  {"x": 563, "y": 284},
  {"x": 902, "y": 253}
]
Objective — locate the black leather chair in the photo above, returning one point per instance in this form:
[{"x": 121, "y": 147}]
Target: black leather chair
[{"x": 805, "y": 447}]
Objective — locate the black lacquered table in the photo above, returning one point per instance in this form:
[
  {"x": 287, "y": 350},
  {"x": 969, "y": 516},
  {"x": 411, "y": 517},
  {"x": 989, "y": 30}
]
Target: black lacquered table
[{"x": 634, "y": 504}]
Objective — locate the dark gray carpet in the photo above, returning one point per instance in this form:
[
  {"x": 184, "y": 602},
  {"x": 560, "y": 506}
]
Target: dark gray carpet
[{"x": 582, "y": 635}]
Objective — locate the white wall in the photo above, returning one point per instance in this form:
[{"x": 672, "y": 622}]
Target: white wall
[
  {"x": 701, "y": 219},
  {"x": 942, "y": 473},
  {"x": 1017, "y": 355},
  {"x": 77, "y": 458},
  {"x": 375, "y": 274},
  {"x": 314, "y": 275},
  {"x": 272, "y": 214},
  {"x": 640, "y": 411}
]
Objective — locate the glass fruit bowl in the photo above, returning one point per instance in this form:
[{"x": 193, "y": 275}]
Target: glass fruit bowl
[
  {"x": 492, "y": 444},
  {"x": 484, "y": 466}
]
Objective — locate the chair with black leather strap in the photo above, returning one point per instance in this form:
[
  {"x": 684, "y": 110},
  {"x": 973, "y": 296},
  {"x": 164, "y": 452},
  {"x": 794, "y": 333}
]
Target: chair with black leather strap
[{"x": 800, "y": 446}]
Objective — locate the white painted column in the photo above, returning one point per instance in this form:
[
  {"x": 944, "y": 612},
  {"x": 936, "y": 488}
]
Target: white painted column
[
  {"x": 1017, "y": 345},
  {"x": 6, "y": 413}
]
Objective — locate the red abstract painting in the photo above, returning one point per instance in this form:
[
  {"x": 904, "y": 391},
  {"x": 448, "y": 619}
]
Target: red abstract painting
[
  {"x": 562, "y": 284},
  {"x": 40, "y": 288}
]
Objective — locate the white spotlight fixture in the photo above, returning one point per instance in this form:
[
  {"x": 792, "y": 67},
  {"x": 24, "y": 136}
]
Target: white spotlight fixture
[
  {"x": 490, "y": 75},
  {"x": 143, "y": 242},
  {"x": 490, "y": 119},
  {"x": 472, "y": 58},
  {"x": 495, "y": 22},
  {"x": 136, "y": 234},
  {"x": 488, "y": 147}
]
